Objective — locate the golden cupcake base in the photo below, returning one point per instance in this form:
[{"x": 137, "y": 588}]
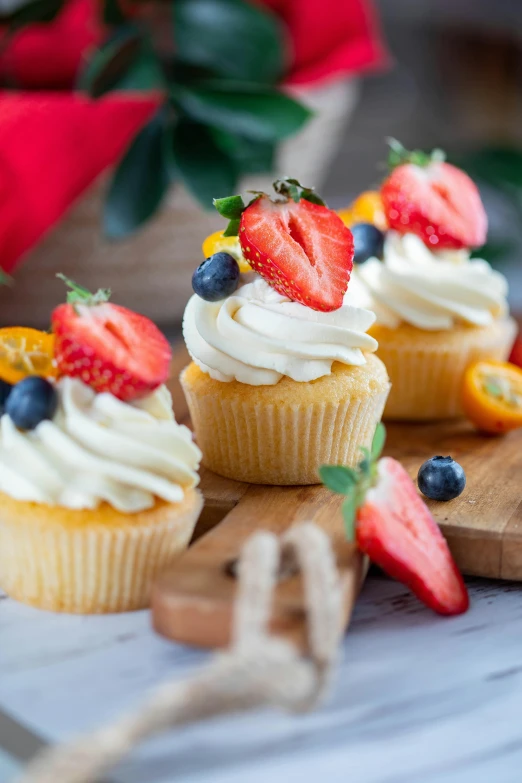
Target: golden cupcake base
[
  {"x": 427, "y": 369},
  {"x": 90, "y": 562},
  {"x": 282, "y": 434}
]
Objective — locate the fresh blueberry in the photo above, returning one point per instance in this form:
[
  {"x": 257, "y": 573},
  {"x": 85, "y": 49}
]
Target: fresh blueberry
[
  {"x": 368, "y": 242},
  {"x": 5, "y": 391},
  {"x": 216, "y": 278},
  {"x": 441, "y": 478},
  {"x": 31, "y": 401}
]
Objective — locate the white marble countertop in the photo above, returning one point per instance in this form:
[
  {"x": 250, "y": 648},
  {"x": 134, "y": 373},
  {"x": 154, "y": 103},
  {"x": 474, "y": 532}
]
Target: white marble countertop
[{"x": 417, "y": 699}]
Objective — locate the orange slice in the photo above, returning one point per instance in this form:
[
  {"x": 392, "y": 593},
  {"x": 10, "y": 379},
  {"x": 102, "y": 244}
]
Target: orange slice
[
  {"x": 367, "y": 208},
  {"x": 24, "y": 352},
  {"x": 217, "y": 243},
  {"x": 492, "y": 396}
]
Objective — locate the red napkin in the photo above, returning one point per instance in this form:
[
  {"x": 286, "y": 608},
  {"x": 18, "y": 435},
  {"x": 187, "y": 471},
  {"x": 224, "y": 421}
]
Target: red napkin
[{"x": 53, "y": 145}]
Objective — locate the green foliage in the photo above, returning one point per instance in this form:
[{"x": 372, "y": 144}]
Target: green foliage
[
  {"x": 78, "y": 293},
  {"x": 225, "y": 114},
  {"x": 354, "y": 483},
  {"x": 200, "y": 163},
  {"x": 292, "y": 188},
  {"x": 141, "y": 180},
  {"x": 230, "y": 207},
  {"x": 35, "y": 11},
  {"x": 399, "y": 154},
  {"x": 126, "y": 61},
  {"x": 236, "y": 40}
]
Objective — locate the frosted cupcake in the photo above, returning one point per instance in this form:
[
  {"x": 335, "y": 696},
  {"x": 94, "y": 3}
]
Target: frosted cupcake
[
  {"x": 437, "y": 309},
  {"x": 284, "y": 376},
  {"x": 97, "y": 480}
]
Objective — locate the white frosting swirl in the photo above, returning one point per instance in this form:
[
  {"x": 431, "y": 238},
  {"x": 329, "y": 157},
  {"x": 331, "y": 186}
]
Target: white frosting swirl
[
  {"x": 256, "y": 336},
  {"x": 430, "y": 290},
  {"x": 98, "y": 448}
]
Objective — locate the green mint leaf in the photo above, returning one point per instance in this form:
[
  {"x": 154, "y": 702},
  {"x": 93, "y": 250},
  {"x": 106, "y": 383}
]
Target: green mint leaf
[
  {"x": 378, "y": 442},
  {"x": 233, "y": 38},
  {"x": 140, "y": 182},
  {"x": 202, "y": 166},
  {"x": 365, "y": 465},
  {"x": 338, "y": 478},
  {"x": 349, "y": 510},
  {"x": 230, "y": 207},
  {"x": 232, "y": 230}
]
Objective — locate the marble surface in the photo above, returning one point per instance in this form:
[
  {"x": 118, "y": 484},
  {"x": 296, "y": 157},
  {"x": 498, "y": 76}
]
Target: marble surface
[{"x": 417, "y": 698}]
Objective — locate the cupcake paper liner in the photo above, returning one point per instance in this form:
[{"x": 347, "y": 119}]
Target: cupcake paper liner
[
  {"x": 70, "y": 561},
  {"x": 427, "y": 369},
  {"x": 282, "y": 443}
]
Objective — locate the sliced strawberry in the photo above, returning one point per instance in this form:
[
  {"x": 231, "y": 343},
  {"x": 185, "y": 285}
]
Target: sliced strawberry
[
  {"x": 109, "y": 347},
  {"x": 397, "y": 531},
  {"x": 515, "y": 356},
  {"x": 436, "y": 201},
  {"x": 302, "y": 249}
]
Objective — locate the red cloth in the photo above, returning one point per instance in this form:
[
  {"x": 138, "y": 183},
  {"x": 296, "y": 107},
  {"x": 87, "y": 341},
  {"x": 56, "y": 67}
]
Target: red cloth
[{"x": 53, "y": 145}]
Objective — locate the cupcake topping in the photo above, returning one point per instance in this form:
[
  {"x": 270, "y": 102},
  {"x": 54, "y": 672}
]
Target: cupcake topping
[
  {"x": 299, "y": 246},
  {"x": 108, "y": 347},
  {"x": 428, "y": 197},
  {"x": 24, "y": 352}
]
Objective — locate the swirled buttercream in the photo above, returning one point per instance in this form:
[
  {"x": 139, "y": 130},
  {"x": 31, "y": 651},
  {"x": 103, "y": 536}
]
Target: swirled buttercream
[
  {"x": 97, "y": 449},
  {"x": 427, "y": 289},
  {"x": 256, "y": 336}
]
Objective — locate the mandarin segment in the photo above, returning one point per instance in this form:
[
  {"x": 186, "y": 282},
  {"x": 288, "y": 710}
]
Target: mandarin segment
[{"x": 25, "y": 352}]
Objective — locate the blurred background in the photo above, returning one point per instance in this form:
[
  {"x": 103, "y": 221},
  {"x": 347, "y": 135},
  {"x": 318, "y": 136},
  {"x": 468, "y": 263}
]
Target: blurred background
[{"x": 121, "y": 119}]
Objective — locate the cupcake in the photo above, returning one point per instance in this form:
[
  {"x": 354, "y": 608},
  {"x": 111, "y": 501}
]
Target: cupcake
[
  {"x": 284, "y": 376},
  {"x": 97, "y": 480},
  {"x": 437, "y": 309}
]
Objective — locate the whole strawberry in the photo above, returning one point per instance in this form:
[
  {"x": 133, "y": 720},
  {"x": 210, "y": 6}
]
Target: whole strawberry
[
  {"x": 108, "y": 347},
  {"x": 298, "y": 245},
  {"x": 426, "y": 196}
]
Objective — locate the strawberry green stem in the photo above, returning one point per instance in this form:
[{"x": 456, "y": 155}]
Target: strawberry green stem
[{"x": 79, "y": 294}]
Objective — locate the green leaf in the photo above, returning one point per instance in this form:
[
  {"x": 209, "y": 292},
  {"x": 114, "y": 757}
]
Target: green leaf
[
  {"x": 140, "y": 182},
  {"x": 498, "y": 166},
  {"x": 338, "y": 478},
  {"x": 230, "y": 207},
  {"x": 35, "y": 11},
  {"x": 292, "y": 188},
  {"x": 232, "y": 230},
  {"x": 379, "y": 439},
  {"x": 349, "y": 510},
  {"x": 251, "y": 156},
  {"x": 124, "y": 62},
  {"x": 234, "y": 38},
  {"x": 112, "y": 13},
  {"x": 259, "y": 113},
  {"x": 201, "y": 164},
  {"x": 399, "y": 154}
]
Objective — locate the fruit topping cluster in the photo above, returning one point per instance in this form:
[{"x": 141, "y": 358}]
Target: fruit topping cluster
[{"x": 108, "y": 347}]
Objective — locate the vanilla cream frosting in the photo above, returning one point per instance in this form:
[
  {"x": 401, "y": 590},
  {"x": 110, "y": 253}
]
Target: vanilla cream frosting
[
  {"x": 257, "y": 336},
  {"x": 427, "y": 289},
  {"x": 98, "y": 448}
]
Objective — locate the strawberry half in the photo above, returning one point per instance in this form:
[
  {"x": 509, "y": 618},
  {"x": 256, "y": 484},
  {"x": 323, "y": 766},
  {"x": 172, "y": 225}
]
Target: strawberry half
[
  {"x": 300, "y": 247},
  {"x": 108, "y": 347},
  {"x": 395, "y": 528},
  {"x": 424, "y": 195}
]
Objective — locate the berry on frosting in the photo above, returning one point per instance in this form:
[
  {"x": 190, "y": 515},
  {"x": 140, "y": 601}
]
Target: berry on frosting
[
  {"x": 108, "y": 347},
  {"x": 298, "y": 245},
  {"x": 216, "y": 278},
  {"x": 424, "y": 195},
  {"x": 368, "y": 242},
  {"x": 30, "y": 402},
  {"x": 394, "y": 527}
]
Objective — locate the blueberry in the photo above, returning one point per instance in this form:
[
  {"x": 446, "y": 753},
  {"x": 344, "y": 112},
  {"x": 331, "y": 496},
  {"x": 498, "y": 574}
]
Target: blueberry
[
  {"x": 31, "y": 401},
  {"x": 216, "y": 278},
  {"x": 5, "y": 391},
  {"x": 368, "y": 242},
  {"x": 441, "y": 478}
]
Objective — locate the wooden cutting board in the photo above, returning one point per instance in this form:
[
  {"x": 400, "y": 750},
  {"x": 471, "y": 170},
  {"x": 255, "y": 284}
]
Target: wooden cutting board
[{"x": 193, "y": 602}]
